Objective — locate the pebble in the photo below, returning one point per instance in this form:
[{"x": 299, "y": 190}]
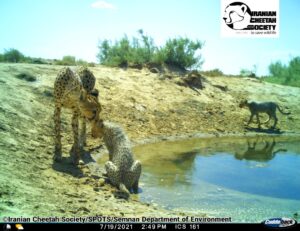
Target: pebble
[
  {"x": 14, "y": 149},
  {"x": 4, "y": 127},
  {"x": 95, "y": 176},
  {"x": 31, "y": 149},
  {"x": 96, "y": 189},
  {"x": 9, "y": 203},
  {"x": 101, "y": 182},
  {"x": 154, "y": 70},
  {"x": 84, "y": 209}
]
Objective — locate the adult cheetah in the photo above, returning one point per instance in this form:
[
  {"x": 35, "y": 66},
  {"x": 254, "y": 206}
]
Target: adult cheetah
[
  {"x": 76, "y": 92},
  {"x": 122, "y": 171}
]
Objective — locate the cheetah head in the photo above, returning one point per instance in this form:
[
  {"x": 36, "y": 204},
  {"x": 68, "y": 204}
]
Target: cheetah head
[
  {"x": 243, "y": 103},
  {"x": 89, "y": 105},
  {"x": 97, "y": 128}
]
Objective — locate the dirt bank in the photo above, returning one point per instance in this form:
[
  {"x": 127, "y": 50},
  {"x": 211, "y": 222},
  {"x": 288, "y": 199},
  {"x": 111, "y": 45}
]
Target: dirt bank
[{"x": 149, "y": 106}]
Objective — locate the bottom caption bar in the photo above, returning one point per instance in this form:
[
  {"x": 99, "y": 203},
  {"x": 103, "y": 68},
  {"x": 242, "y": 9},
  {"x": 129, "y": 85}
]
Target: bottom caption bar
[{"x": 132, "y": 226}]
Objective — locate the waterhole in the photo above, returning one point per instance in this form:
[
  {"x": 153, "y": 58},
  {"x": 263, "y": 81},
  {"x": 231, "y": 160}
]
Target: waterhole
[{"x": 249, "y": 180}]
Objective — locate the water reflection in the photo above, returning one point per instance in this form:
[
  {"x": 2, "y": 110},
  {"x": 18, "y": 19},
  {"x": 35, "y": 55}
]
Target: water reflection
[
  {"x": 256, "y": 165},
  {"x": 263, "y": 153},
  {"x": 170, "y": 170},
  {"x": 261, "y": 166},
  {"x": 247, "y": 179}
]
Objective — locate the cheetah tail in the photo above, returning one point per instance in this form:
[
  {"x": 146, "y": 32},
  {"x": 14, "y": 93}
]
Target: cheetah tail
[
  {"x": 281, "y": 111},
  {"x": 123, "y": 189}
]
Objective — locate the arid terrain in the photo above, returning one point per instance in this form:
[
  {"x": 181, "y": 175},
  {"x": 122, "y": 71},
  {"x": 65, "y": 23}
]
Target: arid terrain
[{"x": 150, "y": 106}]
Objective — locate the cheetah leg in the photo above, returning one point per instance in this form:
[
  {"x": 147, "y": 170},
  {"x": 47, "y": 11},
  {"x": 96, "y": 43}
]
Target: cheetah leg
[
  {"x": 57, "y": 123},
  {"x": 257, "y": 120},
  {"x": 112, "y": 173},
  {"x": 275, "y": 121},
  {"x": 83, "y": 132},
  {"x": 250, "y": 119},
  {"x": 75, "y": 148},
  {"x": 135, "y": 173}
]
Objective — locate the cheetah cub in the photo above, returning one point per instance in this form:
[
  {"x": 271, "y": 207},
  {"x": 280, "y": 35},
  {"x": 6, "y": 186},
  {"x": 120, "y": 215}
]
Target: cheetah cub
[{"x": 122, "y": 171}]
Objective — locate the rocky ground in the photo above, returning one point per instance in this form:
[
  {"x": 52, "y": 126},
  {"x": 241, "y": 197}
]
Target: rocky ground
[{"x": 150, "y": 107}]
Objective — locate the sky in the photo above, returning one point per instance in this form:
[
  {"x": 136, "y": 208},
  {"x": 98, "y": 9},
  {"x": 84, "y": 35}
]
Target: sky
[{"x": 55, "y": 28}]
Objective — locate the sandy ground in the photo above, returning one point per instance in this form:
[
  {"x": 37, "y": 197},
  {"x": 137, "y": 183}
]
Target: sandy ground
[{"x": 150, "y": 107}]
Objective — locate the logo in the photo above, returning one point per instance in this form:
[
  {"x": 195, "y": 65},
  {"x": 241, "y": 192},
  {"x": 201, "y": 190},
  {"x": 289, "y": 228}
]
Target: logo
[
  {"x": 250, "y": 18},
  {"x": 279, "y": 222},
  {"x": 237, "y": 16}
]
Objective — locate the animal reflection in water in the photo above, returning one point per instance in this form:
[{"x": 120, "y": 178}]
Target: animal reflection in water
[
  {"x": 177, "y": 166},
  {"x": 262, "y": 154}
]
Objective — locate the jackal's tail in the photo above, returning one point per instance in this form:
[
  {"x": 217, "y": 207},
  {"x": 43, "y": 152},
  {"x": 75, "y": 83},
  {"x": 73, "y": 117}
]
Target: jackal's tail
[{"x": 282, "y": 112}]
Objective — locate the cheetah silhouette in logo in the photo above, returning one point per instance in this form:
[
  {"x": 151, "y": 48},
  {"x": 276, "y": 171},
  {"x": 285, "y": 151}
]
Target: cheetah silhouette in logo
[{"x": 237, "y": 16}]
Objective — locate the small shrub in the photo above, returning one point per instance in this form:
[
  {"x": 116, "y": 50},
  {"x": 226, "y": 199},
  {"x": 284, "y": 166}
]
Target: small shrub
[
  {"x": 181, "y": 52},
  {"x": 38, "y": 61},
  {"x": 66, "y": 61},
  {"x": 69, "y": 60},
  {"x": 91, "y": 64},
  {"x": 26, "y": 76},
  {"x": 213, "y": 73},
  {"x": 143, "y": 49},
  {"x": 81, "y": 62},
  {"x": 158, "y": 58}
]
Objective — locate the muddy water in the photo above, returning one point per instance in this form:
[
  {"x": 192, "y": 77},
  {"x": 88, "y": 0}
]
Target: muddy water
[{"x": 249, "y": 180}]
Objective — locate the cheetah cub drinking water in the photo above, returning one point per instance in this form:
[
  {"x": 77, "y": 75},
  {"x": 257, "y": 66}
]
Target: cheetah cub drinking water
[{"x": 122, "y": 171}]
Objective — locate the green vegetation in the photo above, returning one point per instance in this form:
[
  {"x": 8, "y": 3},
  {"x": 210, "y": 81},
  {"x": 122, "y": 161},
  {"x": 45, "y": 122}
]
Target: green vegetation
[
  {"x": 124, "y": 52},
  {"x": 181, "y": 52},
  {"x": 178, "y": 52},
  {"x": 285, "y": 74},
  {"x": 67, "y": 61},
  {"x": 141, "y": 51},
  {"x": 14, "y": 56},
  {"x": 213, "y": 73},
  {"x": 244, "y": 72}
]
